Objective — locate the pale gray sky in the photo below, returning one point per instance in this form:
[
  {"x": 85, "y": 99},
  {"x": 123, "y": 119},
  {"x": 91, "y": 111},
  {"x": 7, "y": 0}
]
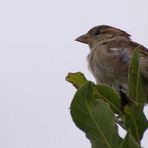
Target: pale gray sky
[{"x": 37, "y": 50}]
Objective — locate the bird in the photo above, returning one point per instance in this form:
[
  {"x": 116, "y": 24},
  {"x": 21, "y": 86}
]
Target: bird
[{"x": 110, "y": 54}]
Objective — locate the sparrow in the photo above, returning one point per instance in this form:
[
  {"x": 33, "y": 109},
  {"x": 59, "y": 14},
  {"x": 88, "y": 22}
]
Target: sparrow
[{"x": 110, "y": 54}]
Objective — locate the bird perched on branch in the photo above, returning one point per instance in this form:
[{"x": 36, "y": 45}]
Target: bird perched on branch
[{"x": 110, "y": 53}]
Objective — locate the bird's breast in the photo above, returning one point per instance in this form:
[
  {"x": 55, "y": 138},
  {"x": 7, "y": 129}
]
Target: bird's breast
[{"x": 108, "y": 68}]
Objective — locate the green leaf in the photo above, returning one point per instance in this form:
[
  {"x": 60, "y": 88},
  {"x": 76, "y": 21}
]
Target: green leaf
[
  {"x": 133, "y": 73},
  {"x": 135, "y": 119},
  {"x": 77, "y": 79},
  {"x": 110, "y": 96},
  {"x": 129, "y": 142},
  {"x": 136, "y": 122},
  {"x": 136, "y": 86},
  {"x": 95, "y": 118},
  {"x": 100, "y": 91},
  {"x": 140, "y": 91}
]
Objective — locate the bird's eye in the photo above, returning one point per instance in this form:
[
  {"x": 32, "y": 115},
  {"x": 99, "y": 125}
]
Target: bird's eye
[{"x": 97, "y": 32}]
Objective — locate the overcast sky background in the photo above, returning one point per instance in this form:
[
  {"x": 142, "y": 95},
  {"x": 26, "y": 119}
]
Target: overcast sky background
[{"x": 37, "y": 50}]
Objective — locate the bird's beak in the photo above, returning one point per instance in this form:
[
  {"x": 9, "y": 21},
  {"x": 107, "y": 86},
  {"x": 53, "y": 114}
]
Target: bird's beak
[{"x": 83, "y": 39}]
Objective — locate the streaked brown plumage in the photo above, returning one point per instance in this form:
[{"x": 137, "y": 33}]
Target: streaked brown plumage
[{"x": 110, "y": 54}]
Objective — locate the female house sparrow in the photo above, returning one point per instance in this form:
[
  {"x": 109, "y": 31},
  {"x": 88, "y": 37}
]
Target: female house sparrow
[{"x": 110, "y": 54}]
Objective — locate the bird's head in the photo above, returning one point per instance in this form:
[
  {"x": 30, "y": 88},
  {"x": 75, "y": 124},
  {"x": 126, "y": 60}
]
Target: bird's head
[{"x": 102, "y": 34}]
